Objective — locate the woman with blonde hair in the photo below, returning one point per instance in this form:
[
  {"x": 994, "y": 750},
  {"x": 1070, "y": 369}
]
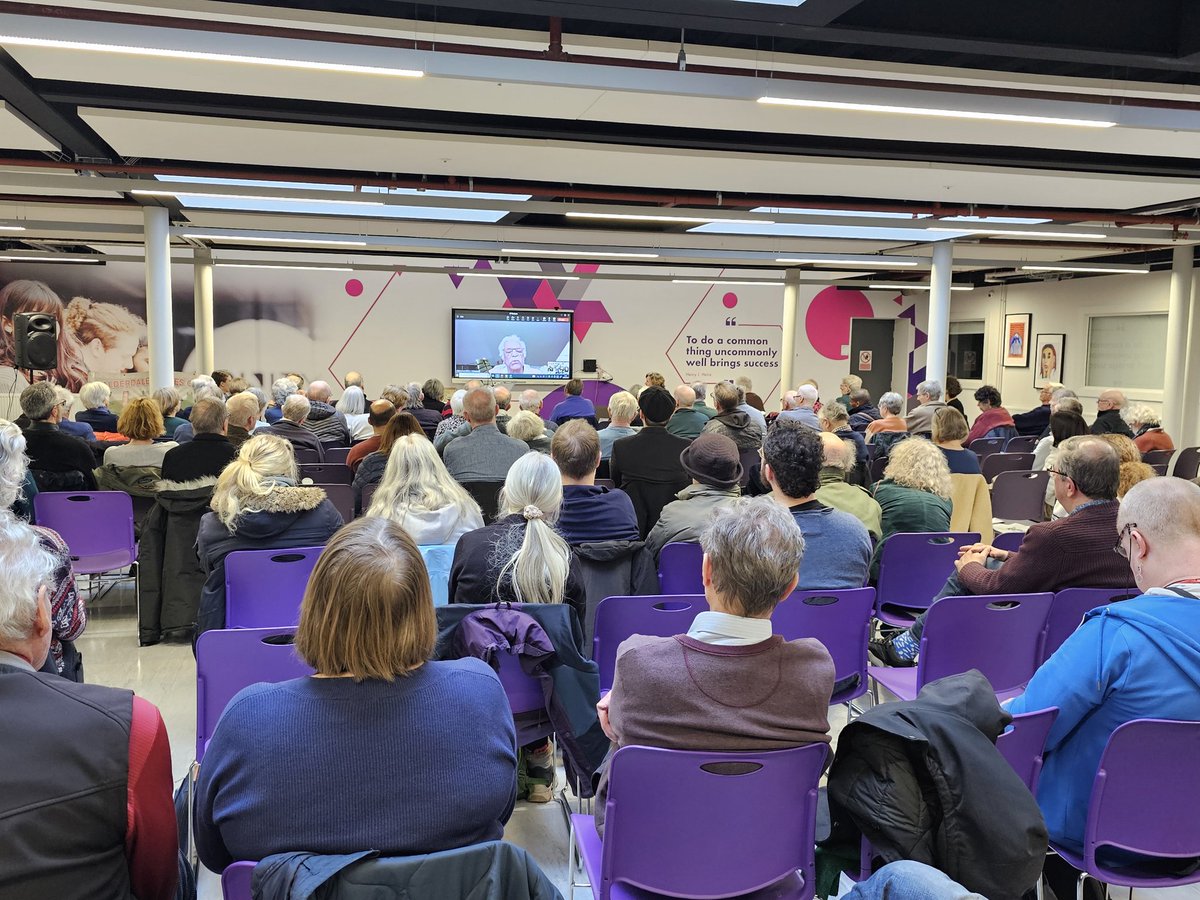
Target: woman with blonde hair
[
  {"x": 257, "y": 505},
  {"x": 377, "y": 703},
  {"x": 168, "y": 403},
  {"x": 915, "y": 492},
  {"x": 136, "y": 467},
  {"x": 418, "y": 494},
  {"x": 530, "y": 428},
  {"x": 108, "y": 335},
  {"x": 27, "y": 296},
  {"x": 622, "y": 410},
  {"x": 373, "y": 465},
  {"x": 1133, "y": 470},
  {"x": 949, "y": 432}
]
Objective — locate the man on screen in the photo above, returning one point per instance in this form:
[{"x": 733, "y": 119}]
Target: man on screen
[{"x": 512, "y": 359}]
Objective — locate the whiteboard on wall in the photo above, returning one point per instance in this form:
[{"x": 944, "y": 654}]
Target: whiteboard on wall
[{"x": 1127, "y": 351}]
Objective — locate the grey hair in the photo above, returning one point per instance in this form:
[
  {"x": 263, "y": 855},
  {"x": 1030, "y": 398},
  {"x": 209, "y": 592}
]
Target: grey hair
[
  {"x": 808, "y": 392},
  {"x": 13, "y": 463},
  {"x": 415, "y": 395},
  {"x": 65, "y": 400},
  {"x": 891, "y": 402},
  {"x": 506, "y": 339},
  {"x": 701, "y": 390},
  {"x": 38, "y": 400},
  {"x": 1166, "y": 510},
  {"x": 623, "y": 405},
  {"x": 1092, "y": 463},
  {"x": 209, "y": 392},
  {"x": 525, "y": 426},
  {"x": 1068, "y": 404},
  {"x": 1061, "y": 392},
  {"x": 94, "y": 393},
  {"x": 834, "y": 412},
  {"x": 755, "y": 581},
  {"x": 531, "y": 401},
  {"x": 27, "y": 567},
  {"x": 296, "y": 408},
  {"x": 261, "y": 396},
  {"x": 281, "y": 389},
  {"x": 167, "y": 399},
  {"x": 456, "y": 401},
  {"x": 838, "y": 453},
  {"x": 201, "y": 381},
  {"x": 932, "y": 387},
  {"x": 744, "y": 382},
  {"x": 538, "y": 567},
  {"x": 353, "y": 401},
  {"x": 1143, "y": 415}
]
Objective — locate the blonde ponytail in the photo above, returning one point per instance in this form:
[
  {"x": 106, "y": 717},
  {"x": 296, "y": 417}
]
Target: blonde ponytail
[
  {"x": 537, "y": 569},
  {"x": 250, "y": 477}
]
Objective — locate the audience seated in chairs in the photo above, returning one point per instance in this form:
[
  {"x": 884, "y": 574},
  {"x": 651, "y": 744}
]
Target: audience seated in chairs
[
  {"x": 890, "y": 405},
  {"x": 1133, "y": 470},
  {"x": 1147, "y": 428},
  {"x": 915, "y": 493},
  {"x": 323, "y": 419},
  {"x": 136, "y": 467},
  {"x": 281, "y": 389},
  {"x": 68, "y": 609},
  {"x": 243, "y": 418},
  {"x": 836, "y": 492},
  {"x": 1034, "y": 422},
  {"x": 837, "y": 546},
  {"x": 291, "y": 426},
  {"x": 949, "y": 432},
  {"x": 168, "y": 404},
  {"x": 993, "y": 420},
  {"x": 646, "y": 466},
  {"x": 622, "y": 409},
  {"x": 686, "y": 421},
  {"x": 484, "y": 454},
  {"x": 433, "y": 396},
  {"x": 713, "y": 463},
  {"x": 953, "y": 390},
  {"x": 574, "y": 405},
  {"x": 528, "y": 427},
  {"x": 732, "y": 422},
  {"x": 1064, "y": 423},
  {"x": 94, "y": 396},
  {"x": 58, "y": 461},
  {"x": 835, "y": 420},
  {"x": 450, "y": 424},
  {"x": 430, "y": 419},
  {"x": 862, "y": 411},
  {"x": 257, "y": 506},
  {"x": 75, "y": 429},
  {"x": 701, "y": 391},
  {"x": 367, "y": 627},
  {"x": 1139, "y": 658},
  {"x": 929, "y": 401},
  {"x": 800, "y": 406},
  {"x": 185, "y": 432},
  {"x": 209, "y": 451},
  {"x": 353, "y": 406},
  {"x": 1072, "y": 552},
  {"x": 971, "y": 500},
  {"x": 588, "y": 513},
  {"x": 531, "y": 401},
  {"x": 1110, "y": 418},
  {"x": 374, "y": 464},
  {"x": 85, "y": 789},
  {"x": 418, "y": 494},
  {"x": 381, "y": 413},
  {"x": 705, "y": 690}
]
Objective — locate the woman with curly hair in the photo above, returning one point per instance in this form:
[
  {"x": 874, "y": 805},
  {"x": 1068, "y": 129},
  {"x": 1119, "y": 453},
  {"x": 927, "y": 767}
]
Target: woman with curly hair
[
  {"x": 915, "y": 492},
  {"x": 25, "y": 296},
  {"x": 1133, "y": 470},
  {"x": 994, "y": 420}
]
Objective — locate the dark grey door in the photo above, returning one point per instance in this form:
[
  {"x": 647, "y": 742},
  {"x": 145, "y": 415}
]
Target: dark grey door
[{"x": 871, "y": 342}]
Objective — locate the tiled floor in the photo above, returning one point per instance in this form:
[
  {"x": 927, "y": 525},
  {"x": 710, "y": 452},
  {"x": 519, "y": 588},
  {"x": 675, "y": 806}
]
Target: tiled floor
[{"x": 166, "y": 675}]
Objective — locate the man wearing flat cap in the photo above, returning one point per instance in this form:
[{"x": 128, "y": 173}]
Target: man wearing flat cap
[
  {"x": 713, "y": 462},
  {"x": 646, "y": 465}
]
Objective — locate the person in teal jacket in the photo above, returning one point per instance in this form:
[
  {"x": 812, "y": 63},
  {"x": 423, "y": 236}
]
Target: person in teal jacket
[{"x": 1138, "y": 658}]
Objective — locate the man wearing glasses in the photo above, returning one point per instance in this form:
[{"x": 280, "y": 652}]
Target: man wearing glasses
[
  {"x": 1108, "y": 414},
  {"x": 1074, "y": 551}
]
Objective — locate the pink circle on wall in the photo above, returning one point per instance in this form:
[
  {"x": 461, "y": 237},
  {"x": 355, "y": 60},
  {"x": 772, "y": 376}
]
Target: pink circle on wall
[
  {"x": 730, "y": 300},
  {"x": 827, "y": 322},
  {"x": 354, "y": 287}
]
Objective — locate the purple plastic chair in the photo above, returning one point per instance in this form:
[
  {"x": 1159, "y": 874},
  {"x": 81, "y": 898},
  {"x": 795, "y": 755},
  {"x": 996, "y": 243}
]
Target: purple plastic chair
[
  {"x": 913, "y": 568},
  {"x": 1158, "y": 457},
  {"x": 998, "y": 634},
  {"x": 1020, "y": 496},
  {"x": 326, "y": 473},
  {"x": 97, "y": 526},
  {"x": 228, "y": 660},
  {"x": 1159, "y": 469},
  {"x": 995, "y": 463},
  {"x": 1068, "y": 609},
  {"x": 305, "y": 455},
  {"x": 1023, "y": 743},
  {"x": 619, "y": 617},
  {"x": 606, "y": 482},
  {"x": 1020, "y": 444},
  {"x": 342, "y": 497},
  {"x": 1187, "y": 463},
  {"x": 236, "y": 881},
  {"x": 679, "y": 568},
  {"x": 985, "y": 447},
  {"x": 659, "y": 834},
  {"x": 1009, "y": 540},
  {"x": 841, "y": 620},
  {"x": 263, "y": 588},
  {"x": 1144, "y": 801},
  {"x": 368, "y": 494},
  {"x": 336, "y": 455}
]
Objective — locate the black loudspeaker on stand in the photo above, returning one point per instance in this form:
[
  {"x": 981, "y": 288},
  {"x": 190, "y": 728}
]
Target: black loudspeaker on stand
[{"x": 35, "y": 340}]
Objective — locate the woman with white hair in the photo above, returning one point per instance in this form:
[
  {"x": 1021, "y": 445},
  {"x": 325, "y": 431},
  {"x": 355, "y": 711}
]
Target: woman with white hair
[
  {"x": 1147, "y": 429},
  {"x": 353, "y": 406},
  {"x": 94, "y": 397},
  {"x": 68, "y": 610},
  {"x": 890, "y": 405},
  {"x": 622, "y": 410},
  {"x": 418, "y": 494},
  {"x": 529, "y": 427},
  {"x": 455, "y": 420},
  {"x": 66, "y": 400}
]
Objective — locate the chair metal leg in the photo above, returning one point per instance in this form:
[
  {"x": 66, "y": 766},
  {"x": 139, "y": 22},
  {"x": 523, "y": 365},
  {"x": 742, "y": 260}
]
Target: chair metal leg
[{"x": 193, "y": 773}]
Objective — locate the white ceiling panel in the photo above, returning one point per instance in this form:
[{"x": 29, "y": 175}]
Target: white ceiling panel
[{"x": 16, "y": 133}]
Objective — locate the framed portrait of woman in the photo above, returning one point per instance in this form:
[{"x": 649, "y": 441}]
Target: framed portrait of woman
[
  {"x": 1048, "y": 359},
  {"x": 1016, "y": 340}
]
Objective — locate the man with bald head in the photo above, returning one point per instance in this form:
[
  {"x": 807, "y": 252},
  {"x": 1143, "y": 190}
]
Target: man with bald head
[
  {"x": 798, "y": 406},
  {"x": 380, "y": 414},
  {"x": 485, "y": 454},
  {"x": 531, "y": 401},
  {"x": 1109, "y": 406},
  {"x": 835, "y": 491},
  {"x": 686, "y": 421},
  {"x": 1074, "y": 551},
  {"x": 353, "y": 379},
  {"x": 1136, "y": 659},
  {"x": 323, "y": 420}
]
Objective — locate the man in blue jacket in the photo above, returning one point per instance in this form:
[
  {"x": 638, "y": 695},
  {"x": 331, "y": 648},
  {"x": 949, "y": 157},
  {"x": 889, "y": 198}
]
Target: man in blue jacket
[{"x": 1139, "y": 658}]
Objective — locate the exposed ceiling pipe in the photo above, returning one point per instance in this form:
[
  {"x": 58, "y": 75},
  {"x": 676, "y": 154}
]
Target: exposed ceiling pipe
[{"x": 555, "y": 50}]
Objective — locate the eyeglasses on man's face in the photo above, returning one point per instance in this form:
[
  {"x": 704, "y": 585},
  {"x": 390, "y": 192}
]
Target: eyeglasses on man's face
[{"x": 1122, "y": 549}]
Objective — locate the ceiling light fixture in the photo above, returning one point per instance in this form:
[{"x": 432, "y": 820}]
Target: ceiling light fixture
[
  {"x": 584, "y": 254},
  {"x": 51, "y": 259},
  {"x": 1001, "y": 232},
  {"x": 683, "y": 220},
  {"x": 880, "y": 263},
  {"x": 142, "y": 192},
  {"x": 12, "y": 227},
  {"x": 915, "y": 286},
  {"x": 937, "y": 113},
  {"x": 242, "y": 265},
  {"x": 206, "y": 56},
  {"x": 722, "y": 281},
  {"x": 271, "y": 240},
  {"x": 1096, "y": 267},
  {"x": 494, "y": 274}
]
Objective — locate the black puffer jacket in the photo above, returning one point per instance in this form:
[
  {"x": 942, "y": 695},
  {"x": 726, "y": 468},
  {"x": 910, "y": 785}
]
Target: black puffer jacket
[{"x": 923, "y": 780}]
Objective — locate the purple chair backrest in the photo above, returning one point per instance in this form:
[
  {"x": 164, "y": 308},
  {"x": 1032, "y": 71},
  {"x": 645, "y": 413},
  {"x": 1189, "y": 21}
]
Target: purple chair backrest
[
  {"x": 263, "y": 588},
  {"x": 617, "y": 618},
  {"x": 342, "y": 497},
  {"x": 524, "y": 691},
  {"x": 998, "y": 634},
  {"x": 679, "y": 568},
  {"x": 1024, "y": 742},
  {"x": 305, "y": 455},
  {"x": 985, "y": 447},
  {"x": 913, "y": 568},
  {"x": 606, "y": 482},
  {"x": 663, "y": 805},
  {"x": 841, "y": 620},
  {"x": 97, "y": 526},
  {"x": 1159, "y": 468},
  {"x": 1187, "y": 464},
  {"x": 336, "y": 455},
  {"x": 236, "y": 881},
  {"x": 368, "y": 494},
  {"x": 1157, "y": 457},
  {"x": 326, "y": 473},
  {"x": 1020, "y": 444},
  {"x": 996, "y": 463},
  {"x": 229, "y": 660},
  {"x": 1009, "y": 540},
  {"x": 1068, "y": 609},
  {"x": 1020, "y": 496}
]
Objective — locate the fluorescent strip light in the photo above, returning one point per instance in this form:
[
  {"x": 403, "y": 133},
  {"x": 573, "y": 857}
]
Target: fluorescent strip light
[
  {"x": 713, "y": 281},
  {"x": 1000, "y": 232},
  {"x": 494, "y": 274},
  {"x": 937, "y": 113},
  {"x": 205, "y": 56},
  {"x": 683, "y": 220},
  {"x": 240, "y": 265},
  {"x": 914, "y": 286},
  {"x": 272, "y": 240},
  {"x": 161, "y": 193},
  {"x": 881, "y": 263},
  {"x": 12, "y": 227},
  {"x": 52, "y": 259},
  {"x": 585, "y": 254},
  {"x": 1101, "y": 268}
]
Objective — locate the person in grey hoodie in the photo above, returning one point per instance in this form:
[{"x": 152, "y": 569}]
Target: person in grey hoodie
[
  {"x": 732, "y": 422},
  {"x": 713, "y": 462}
]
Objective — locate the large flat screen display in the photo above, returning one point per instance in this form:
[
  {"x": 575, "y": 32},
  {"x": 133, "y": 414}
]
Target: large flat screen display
[{"x": 514, "y": 344}]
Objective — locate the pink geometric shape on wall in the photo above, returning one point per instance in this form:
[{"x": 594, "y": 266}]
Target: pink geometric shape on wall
[
  {"x": 354, "y": 287},
  {"x": 827, "y": 322},
  {"x": 587, "y": 314},
  {"x": 544, "y": 297},
  {"x": 730, "y": 300},
  {"x": 587, "y": 268},
  {"x": 456, "y": 279}
]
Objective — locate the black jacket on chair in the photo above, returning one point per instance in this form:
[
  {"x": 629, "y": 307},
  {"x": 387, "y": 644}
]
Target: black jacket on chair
[
  {"x": 646, "y": 466},
  {"x": 923, "y": 780},
  {"x": 613, "y": 569},
  {"x": 170, "y": 577}
]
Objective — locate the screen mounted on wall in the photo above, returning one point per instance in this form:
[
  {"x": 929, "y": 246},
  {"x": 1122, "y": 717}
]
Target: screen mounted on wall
[{"x": 515, "y": 344}]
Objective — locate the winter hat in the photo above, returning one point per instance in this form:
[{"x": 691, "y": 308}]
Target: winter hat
[{"x": 712, "y": 459}]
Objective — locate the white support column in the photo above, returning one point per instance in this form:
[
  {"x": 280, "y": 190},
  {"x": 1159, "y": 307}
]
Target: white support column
[
  {"x": 1190, "y": 436},
  {"x": 158, "y": 297},
  {"x": 202, "y": 268},
  {"x": 1175, "y": 381},
  {"x": 938, "y": 346},
  {"x": 787, "y": 351}
]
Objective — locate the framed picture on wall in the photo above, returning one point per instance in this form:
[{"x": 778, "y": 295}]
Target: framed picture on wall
[
  {"x": 1048, "y": 364},
  {"x": 1016, "y": 340}
]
